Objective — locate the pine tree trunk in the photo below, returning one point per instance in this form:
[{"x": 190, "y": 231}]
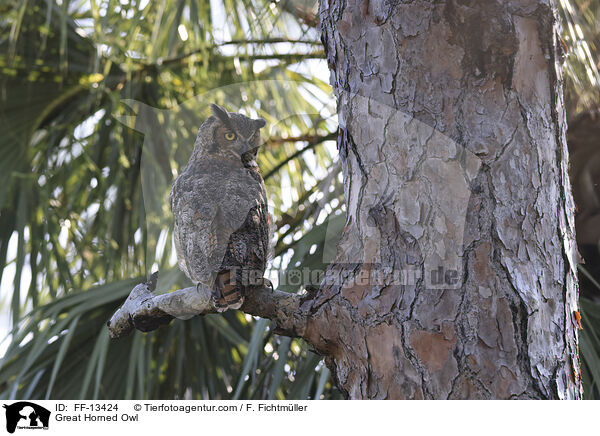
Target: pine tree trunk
[{"x": 456, "y": 273}]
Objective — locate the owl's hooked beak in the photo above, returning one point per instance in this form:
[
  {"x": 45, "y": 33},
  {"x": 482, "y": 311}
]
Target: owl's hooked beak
[{"x": 249, "y": 157}]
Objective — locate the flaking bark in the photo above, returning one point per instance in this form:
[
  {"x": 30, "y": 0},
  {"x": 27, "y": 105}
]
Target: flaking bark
[{"x": 485, "y": 78}]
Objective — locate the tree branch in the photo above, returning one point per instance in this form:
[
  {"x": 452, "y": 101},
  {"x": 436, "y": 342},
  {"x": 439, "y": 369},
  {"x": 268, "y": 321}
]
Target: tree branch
[
  {"x": 287, "y": 57},
  {"x": 313, "y": 140},
  {"x": 144, "y": 310}
]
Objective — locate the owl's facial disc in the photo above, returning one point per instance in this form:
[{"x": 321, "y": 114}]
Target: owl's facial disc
[{"x": 236, "y": 135}]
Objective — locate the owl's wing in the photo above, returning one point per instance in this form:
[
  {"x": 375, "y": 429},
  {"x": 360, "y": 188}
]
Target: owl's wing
[
  {"x": 208, "y": 206},
  {"x": 200, "y": 239},
  {"x": 242, "y": 193},
  {"x": 249, "y": 244}
]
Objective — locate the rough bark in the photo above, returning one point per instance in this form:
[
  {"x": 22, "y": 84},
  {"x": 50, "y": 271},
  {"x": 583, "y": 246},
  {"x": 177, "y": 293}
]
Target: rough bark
[
  {"x": 485, "y": 79},
  {"x": 452, "y": 142}
]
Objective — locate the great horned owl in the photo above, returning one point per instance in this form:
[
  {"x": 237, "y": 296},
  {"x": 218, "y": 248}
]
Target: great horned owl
[{"x": 220, "y": 208}]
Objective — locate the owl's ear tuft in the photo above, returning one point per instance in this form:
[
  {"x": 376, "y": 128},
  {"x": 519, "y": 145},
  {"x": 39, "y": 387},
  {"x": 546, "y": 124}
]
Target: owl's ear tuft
[
  {"x": 220, "y": 113},
  {"x": 260, "y": 123}
]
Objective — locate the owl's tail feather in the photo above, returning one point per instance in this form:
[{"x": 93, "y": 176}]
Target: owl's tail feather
[{"x": 230, "y": 292}]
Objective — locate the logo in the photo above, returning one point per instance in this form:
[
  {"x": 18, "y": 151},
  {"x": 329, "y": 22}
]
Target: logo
[{"x": 26, "y": 415}]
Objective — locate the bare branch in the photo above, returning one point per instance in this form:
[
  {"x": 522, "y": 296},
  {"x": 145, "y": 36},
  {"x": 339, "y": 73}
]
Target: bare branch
[
  {"x": 313, "y": 140},
  {"x": 182, "y": 59},
  {"x": 144, "y": 310}
]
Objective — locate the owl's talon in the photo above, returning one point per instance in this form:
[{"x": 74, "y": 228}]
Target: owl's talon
[
  {"x": 216, "y": 301},
  {"x": 219, "y": 308},
  {"x": 221, "y": 305},
  {"x": 268, "y": 283}
]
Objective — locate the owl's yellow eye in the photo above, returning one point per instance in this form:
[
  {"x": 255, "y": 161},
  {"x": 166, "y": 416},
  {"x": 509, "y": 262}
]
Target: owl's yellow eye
[{"x": 229, "y": 136}]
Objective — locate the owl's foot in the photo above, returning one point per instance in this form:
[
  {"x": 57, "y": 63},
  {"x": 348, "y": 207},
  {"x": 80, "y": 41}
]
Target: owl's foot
[
  {"x": 222, "y": 304},
  {"x": 228, "y": 294}
]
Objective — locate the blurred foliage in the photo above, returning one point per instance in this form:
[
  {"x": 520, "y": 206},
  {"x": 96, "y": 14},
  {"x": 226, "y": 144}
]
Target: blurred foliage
[
  {"x": 581, "y": 38},
  {"x": 81, "y": 183},
  {"x": 83, "y": 175},
  {"x": 589, "y": 339}
]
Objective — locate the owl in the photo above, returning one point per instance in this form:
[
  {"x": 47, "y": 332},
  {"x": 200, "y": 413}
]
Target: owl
[{"x": 219, "y": 204}]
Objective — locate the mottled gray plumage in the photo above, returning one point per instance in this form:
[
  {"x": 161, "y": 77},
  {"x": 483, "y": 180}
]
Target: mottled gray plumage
[{"x": 220, "y": 208}]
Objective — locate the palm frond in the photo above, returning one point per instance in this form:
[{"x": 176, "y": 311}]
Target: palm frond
[{"x": 77, "y": 204}]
